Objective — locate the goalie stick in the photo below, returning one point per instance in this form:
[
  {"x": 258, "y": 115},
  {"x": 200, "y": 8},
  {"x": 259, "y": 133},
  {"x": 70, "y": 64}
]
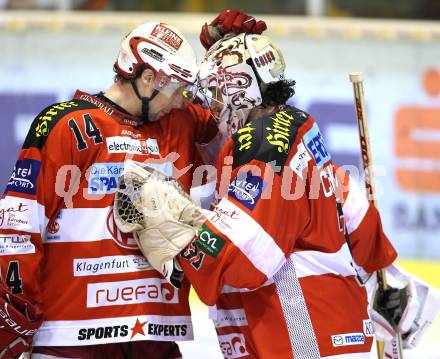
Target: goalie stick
[{"x": 385, "y": 349}]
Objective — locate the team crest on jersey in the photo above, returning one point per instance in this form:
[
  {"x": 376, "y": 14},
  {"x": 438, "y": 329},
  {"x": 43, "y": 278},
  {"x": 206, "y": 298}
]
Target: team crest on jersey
[{"x": 53, "y": 228}]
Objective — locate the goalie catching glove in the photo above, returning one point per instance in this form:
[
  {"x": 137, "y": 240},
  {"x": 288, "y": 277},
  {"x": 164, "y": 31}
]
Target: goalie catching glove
[
  {"x": 159, "y": 213},
  {"x": 19, "y": 321}
]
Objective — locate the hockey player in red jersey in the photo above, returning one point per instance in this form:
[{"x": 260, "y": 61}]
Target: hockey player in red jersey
[
  {"x": 64, "y": 263},
  {"x": 284, "y": 253}
]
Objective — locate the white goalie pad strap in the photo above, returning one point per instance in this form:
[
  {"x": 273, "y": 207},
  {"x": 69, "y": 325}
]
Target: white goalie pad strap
[
  {"x": 370, "y": 284},
  {"x": 410, "y": 313},
  {"x": 383, "y": 330}
]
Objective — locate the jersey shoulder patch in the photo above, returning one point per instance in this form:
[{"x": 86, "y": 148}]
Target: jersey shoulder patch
[
  {"x": 268, "y": 139},
  {"x": 48, "y": 118}
]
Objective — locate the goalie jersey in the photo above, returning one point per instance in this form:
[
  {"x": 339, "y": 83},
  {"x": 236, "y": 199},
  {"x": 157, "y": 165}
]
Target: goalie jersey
[
  {"x": 282, "y": 252},
  {"x": 59, "y": 244}
]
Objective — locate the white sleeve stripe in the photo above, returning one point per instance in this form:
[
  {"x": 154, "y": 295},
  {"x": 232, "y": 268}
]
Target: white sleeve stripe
[
  {"x": 22, "y": 214},
  {"x": 229, "y": 317},
  {"x": 229, "y": 289},
  {"x": 253, "y": 241},
  {"x": 355, "y": 207},
  {"x": 309, "y": 263}
]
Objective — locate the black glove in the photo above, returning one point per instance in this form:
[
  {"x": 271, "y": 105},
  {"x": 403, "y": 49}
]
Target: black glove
[{"x": 391, "y": 303}]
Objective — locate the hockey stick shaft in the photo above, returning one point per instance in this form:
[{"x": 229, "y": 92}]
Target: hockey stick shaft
[{"x": 367, "y": 165}]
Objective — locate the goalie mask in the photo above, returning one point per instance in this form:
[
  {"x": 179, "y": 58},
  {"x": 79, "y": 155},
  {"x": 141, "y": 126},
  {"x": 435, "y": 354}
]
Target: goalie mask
[{"x": 233, "y": 74}]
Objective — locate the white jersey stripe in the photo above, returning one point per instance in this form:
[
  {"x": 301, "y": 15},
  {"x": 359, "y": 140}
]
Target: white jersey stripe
[
  {"x": 318, "y": 263},
  {"x": 255, "y": 243},
  {"x": 114, "y": 330},
  {"x": 97, "y": 224},
  {"x": 22, "y": 214},
  {"x": 355, "y": 207},
  {"x": 92, "y": 226},
  {"x": 229, "y": 289}
]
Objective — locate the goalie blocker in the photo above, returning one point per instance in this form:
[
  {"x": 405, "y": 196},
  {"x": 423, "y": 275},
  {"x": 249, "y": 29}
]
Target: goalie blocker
[{"x": 408, "y": 307}]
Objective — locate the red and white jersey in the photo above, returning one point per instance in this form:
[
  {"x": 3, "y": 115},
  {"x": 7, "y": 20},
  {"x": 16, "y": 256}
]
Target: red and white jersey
[
  {"x": 59, "y": 244},
  {"x": 273, "y": 256}
]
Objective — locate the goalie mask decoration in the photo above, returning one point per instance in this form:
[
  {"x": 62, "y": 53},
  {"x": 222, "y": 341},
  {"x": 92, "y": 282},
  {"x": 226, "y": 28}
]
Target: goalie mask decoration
[{"x": 233, "y": 74}]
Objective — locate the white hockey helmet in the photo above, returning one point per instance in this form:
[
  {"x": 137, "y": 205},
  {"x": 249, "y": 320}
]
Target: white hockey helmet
[
  {"x": 163, "y": 48},
  {"x": 232, "y": 75}
]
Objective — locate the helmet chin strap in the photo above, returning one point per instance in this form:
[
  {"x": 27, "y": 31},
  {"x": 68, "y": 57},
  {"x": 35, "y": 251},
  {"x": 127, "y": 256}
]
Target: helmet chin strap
[{"x": 145, "y": 100}]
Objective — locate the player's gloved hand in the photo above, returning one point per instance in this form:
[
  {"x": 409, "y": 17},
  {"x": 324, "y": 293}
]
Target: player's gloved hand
[
  {"x": 228, "y": 21},
  {"x": 19, "y": 321},
  {"x": 388, "y": 309},
  {"x": 393, "y": 302},
  {"x": 159, "y": 213},
  {"x": 408, "y": 310}
]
